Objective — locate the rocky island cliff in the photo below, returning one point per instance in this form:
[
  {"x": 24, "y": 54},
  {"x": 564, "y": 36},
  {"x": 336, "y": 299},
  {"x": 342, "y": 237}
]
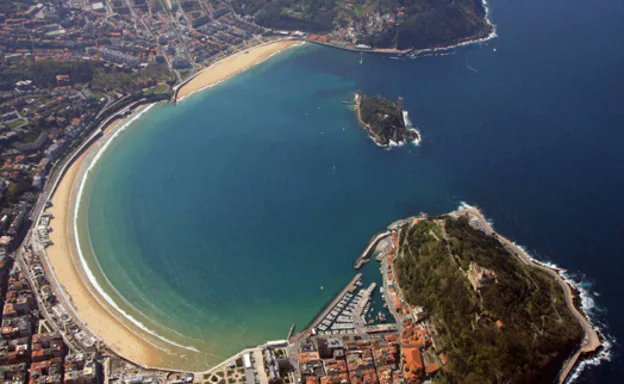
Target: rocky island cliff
[{"x": 385, "y": 121}]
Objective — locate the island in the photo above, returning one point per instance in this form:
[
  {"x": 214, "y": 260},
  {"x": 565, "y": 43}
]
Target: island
[{"x": 386, "y": 122}]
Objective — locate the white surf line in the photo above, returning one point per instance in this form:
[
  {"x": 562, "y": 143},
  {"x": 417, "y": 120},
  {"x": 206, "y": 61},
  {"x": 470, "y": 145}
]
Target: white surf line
[{"x": 83, "y": 261}]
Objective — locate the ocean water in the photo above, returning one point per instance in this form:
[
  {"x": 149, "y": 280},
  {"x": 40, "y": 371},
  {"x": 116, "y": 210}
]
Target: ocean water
[{"x": 218, "y": 220}]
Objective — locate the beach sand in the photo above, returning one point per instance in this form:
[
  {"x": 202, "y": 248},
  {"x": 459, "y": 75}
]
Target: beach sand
[
  {"x": 232, "y": 65},
  {"x": 91, "y": 312},
  {"x": 124, "y": 338}
]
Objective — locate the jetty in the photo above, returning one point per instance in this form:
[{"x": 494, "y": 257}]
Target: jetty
[{"x": 364, "y": 257}]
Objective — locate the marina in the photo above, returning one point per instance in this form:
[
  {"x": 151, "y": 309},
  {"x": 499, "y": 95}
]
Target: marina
[{"x": 351, "y": 312}]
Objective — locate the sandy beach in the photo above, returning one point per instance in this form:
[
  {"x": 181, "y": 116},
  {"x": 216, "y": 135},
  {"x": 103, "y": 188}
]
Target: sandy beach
[
  {"x": 232, "y": 65},
  {"x": 91, "y": 312},
  {"x": 122, "y": 336}
]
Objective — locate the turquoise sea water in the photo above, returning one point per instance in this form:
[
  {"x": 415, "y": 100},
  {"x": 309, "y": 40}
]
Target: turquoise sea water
[{"x": 219, "y": 219}]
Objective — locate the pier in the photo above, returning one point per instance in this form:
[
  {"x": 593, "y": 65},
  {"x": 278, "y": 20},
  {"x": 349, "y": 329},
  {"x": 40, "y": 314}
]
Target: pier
[
  {"x": 362, "y": 307},
  {"x": 364, "y": 257},
  {"x": 349, "y": 288},
  {"x": 291, "y": 330}
]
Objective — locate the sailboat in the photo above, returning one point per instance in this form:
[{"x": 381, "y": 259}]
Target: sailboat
[{"x": 361, "y": 57}]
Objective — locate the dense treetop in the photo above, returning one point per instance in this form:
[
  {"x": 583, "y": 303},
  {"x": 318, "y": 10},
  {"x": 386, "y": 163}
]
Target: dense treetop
[
  {"x": 418, "y": 23},
  {"x": 536, "y": 333}
]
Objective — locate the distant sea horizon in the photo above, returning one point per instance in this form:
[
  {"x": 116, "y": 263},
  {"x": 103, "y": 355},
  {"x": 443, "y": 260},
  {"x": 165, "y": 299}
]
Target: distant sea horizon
[{"x": 217, "y": 221}]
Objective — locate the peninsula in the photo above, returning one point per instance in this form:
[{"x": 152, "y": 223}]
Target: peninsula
[
  {"x": 386, "y": 122},
  {"x": 490, "y": 308},
  {"x": 467, "y": 306}
]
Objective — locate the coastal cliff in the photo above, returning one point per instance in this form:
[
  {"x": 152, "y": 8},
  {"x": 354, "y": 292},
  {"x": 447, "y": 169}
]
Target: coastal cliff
[
  {"x": 498, "y": 317},
  {"x": 384, "y": 121},
  {"x": 391, "y": 24}
]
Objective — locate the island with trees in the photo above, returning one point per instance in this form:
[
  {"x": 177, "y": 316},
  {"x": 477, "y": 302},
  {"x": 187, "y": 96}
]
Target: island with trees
[
  {"x": 385, "y": 121},
  {"x": 499, "y": 316}
]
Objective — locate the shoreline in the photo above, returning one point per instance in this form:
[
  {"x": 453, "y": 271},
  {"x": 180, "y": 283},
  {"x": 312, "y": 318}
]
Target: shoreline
[
  {"x": 593, "y": 347},
  {"x": 231, "y": 66},
  {"x": 121, "y": 333},
  {"x": 93, "y": 314},
  {"x": 391, "y": 144},
  {"x": 414, "y": 53},
  {"x": 197, "y": 85}
]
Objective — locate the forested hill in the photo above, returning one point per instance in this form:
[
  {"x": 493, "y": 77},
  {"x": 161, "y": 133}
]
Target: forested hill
[
  {"x": 401, "y": 24},
  {"x": 498, "y": 319}
]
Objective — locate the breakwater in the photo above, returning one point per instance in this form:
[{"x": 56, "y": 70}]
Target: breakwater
[{"x": 365, "y": 256}]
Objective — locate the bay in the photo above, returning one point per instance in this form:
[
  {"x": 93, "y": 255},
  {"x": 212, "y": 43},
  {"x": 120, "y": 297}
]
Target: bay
[{"x": 219, "y": 219}]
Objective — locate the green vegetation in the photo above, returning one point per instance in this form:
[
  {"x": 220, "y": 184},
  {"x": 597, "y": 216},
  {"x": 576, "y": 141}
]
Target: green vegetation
[
  {"x": 384, "y": 119},
  {"x": 109, "y": 78},
  {"x": 433, "y": 23},
  {"x": 417, "y": 23},
  {"x": 43, "y": 73},
  {"x": 100, "y": 76},
  {"x": 16, "y": 123},
  {"x": 11, "y": 6},
  {"x": 161, "y": 88},
  {"x": 538, "y": 331}
]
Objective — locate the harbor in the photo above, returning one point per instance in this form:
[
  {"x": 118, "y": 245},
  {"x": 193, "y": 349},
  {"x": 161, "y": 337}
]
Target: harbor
[
  {"x": 347, "y": 315},
  {"x": 349, "y": 289}
]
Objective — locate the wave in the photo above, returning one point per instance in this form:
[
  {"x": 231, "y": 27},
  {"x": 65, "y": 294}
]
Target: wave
[
  {"x": 410, "y": 126},
  {"x": 83, "y": 262},
  {"x": 588, "y": 307}
]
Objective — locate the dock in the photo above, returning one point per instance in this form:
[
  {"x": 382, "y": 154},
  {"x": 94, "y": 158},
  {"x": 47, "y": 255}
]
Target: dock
[
  {"x": 364, "y": 257},
  {"x": 363, "y": 305},
  {"x": 349, "y": 288}
]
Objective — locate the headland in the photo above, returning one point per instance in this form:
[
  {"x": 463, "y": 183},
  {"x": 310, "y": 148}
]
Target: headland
[{"x": 417, "y": 341}]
